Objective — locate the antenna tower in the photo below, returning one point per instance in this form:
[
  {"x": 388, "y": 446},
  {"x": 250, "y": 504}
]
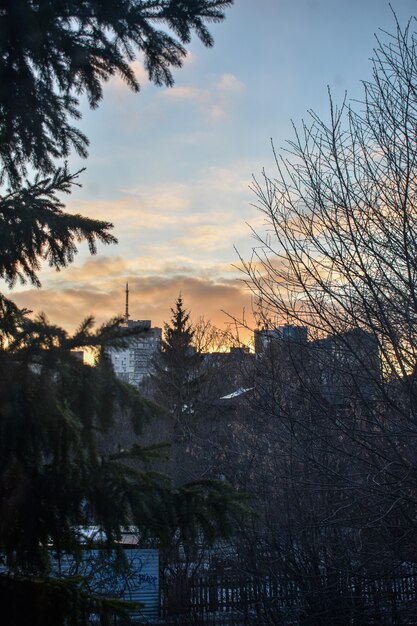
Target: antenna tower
[{"x": 127, "y": 303}]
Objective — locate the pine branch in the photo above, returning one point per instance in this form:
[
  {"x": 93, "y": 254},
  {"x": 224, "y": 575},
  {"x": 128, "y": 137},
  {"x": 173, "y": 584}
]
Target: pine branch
[
  {"x": 54, "y": 52},
  {"x": 48, "y": 601},
  {"x": 34, "y": 228}
]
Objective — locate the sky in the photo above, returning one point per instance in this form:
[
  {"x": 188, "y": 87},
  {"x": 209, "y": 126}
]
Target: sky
[{"x": 171, "y": 168}]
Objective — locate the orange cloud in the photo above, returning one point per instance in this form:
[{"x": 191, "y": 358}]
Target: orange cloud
[
  {"x": 196, "y": 218},
  {"x": 150, "y": 298}
]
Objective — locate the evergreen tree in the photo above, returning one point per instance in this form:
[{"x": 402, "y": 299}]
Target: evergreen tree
[
  {"x": 52, "y": 52},
  {"x": 176, "y": 376},
  {"x": 54, "y": 477}
]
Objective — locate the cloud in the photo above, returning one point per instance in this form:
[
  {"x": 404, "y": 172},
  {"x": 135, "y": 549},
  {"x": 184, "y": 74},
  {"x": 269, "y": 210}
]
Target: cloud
[
  {"x": 207, "y": 214},
  {"x": 150, "y": 298},
  {"x": 211, "y": 233},
  {"x": 214, "y": 102},
  {"x": 138, "y": 204},
  {"x": 101, "y": 270},
  {"x": 229, "y": 83},
  {"x": 217, "y": 112},
  {"x": 167, "y": 235},
  {"x": 209, "y": 236},
  {"x": 185, "y": 93},
  {"x": 116, "y": 83}
]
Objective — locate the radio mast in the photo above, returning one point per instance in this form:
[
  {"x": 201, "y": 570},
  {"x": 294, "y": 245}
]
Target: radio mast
[{"x": 127, "y": 304}]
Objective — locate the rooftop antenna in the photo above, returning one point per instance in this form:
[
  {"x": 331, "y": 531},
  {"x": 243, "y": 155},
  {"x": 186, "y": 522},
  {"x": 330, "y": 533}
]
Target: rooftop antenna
[{"x": 127, "y": 304}]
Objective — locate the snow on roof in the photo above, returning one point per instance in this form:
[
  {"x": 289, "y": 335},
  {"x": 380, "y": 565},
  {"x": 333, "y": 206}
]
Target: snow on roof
[
  {"x": 128, "y": 536},
  {"x": 236, "y": 393}
]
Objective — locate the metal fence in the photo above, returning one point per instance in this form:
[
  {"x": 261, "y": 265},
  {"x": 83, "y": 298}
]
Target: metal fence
[{"x": 225, "y": 599}]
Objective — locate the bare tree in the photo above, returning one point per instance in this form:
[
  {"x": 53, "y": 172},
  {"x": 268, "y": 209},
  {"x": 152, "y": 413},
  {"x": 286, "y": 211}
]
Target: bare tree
[
  {"x": 341, "y": 248},
  {"x": 340, "y": 258}
]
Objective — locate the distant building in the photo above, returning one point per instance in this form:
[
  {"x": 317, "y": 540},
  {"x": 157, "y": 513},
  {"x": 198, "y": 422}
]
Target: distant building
[
  {"x": 133, "y": 362},
  {"x": 264, "y": 338},
  {"x": 349, "y": 365}
]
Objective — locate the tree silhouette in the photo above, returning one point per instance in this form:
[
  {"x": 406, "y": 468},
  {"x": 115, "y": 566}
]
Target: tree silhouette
[
  {"x": 339, "y": 259},
  {"x": 176, "y": 374},
  {"x": 54, "y": 52},
  {"x": 54, "y": 477}
]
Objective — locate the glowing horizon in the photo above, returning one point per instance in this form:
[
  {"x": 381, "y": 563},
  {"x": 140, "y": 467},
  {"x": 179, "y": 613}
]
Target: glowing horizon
[{"x": 171, "y": 168}]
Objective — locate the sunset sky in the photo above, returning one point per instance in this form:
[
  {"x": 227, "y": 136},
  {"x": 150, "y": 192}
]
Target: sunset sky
[{"x": 171, "y": 168}]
